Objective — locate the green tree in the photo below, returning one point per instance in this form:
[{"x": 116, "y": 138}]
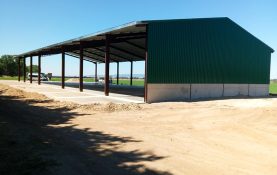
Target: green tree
[
  {"x": 35, "y": 69},
  {"x": 8, "y": 65},
  {"x": 2, "y": 67}
]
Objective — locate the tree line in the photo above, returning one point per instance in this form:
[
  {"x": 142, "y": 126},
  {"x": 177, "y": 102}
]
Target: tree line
[{"x": 9, "y": 66}]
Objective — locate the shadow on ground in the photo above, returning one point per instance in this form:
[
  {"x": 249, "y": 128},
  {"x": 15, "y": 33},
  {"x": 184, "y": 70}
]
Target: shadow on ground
[
  {"x": 119, "y": 89},
  {"x": 31, "y": 144}
]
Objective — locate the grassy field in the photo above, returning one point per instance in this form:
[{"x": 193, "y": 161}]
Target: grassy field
[
  {"x": 136, "y": 82},
  {"x": 58, "y": 79},
  {"x": 273, "y": 88},
  {"x": 9, "y": 78}
]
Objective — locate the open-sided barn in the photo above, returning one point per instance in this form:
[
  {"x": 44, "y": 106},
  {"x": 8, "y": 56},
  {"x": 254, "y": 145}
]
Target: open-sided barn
[{"x": 184, "y": 59}]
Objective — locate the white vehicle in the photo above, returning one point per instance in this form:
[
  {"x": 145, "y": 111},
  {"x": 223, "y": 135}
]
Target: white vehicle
[
  {"x": 43, "y": 77},
  {"x": 101, "y": 80}
]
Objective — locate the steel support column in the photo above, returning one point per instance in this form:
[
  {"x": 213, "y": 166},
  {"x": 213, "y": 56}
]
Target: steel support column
[
  {"x": 31, "y": 69},
  {"x": 131, "y": 75},
  {"x": 19, "y": 73},
  {"x": 24, "y": 69},
  {"x": 145, "y": 67},
  {"x": 107, "y": 65},
  {"x": 63, "y": 68},
  {"x": 117, "y": 74},
  {"x": 95, "y": 73},
  {"x": 39, "y": 69},
  {"x": 81, "y": 85}
]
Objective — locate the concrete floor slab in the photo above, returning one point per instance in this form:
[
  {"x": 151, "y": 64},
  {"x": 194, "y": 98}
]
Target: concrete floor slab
[{"x": 72, "y": 94}]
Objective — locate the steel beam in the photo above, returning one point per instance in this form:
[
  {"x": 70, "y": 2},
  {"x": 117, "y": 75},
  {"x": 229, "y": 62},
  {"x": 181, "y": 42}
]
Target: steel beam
[
  {"x": 24, "y": 69},
  {"x": 119, "y": 40},
  {"x": 141, "y": 25},
  {"x": 31, "y": 69},
  {"x": 114, "y": 54},
  {"x": 117, "y": 74},
  {"x": 146, "y": 65},
  {"x": 77, "y": 56},
  {"x": 93, "y": 59},
  {"x": 127, "y": 34},
  {"x": 95, "y": 54},
  {"x": 135, "y": 45},
  {"x": 81, "y": 68},
  {"x": 39, "y": 69},
  {"x": 95, "y": 74},
  {"x": 107, "y": 65},
  {"x": 103, "y": 50},
  {"x": 19, "y": 73},
  {"x": 131, "y": 76},
  {"x": 63, "y": 68},
  {"x": 101, "y": 43},
  {"x": 126, "y": 51},
  {"x": 86, "y": 44}
]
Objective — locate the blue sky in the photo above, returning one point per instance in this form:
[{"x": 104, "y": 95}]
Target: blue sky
[{"x": 30, "y": 24}]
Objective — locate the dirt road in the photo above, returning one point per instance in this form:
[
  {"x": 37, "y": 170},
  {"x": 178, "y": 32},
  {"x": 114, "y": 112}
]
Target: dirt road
[{"x": 38, "y": 135}]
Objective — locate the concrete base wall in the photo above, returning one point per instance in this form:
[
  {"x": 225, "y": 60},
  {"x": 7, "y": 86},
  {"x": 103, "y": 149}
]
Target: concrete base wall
[
  {"x": 258, "y": 90},
  {"x": 231, "y": 90},
  {"x": 182, "y": 92},
  {"x": 206, "y": 91},
  {"x": 168, "y": 92}
]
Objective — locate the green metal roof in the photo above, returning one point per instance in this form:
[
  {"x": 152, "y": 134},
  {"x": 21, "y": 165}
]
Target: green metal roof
[
  {"x": 131, "y": 27},
  {"x": 203, "y": 19}
]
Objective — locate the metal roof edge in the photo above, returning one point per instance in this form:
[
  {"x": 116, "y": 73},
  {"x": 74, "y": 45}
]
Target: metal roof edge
[
  {"x": 271, "y": 49},
  {"x": 133, "y": 23},
  {"x": 101, "y": 32},
  {"x": 182, "y": 19},
  {"x": 209, "y": 18}
]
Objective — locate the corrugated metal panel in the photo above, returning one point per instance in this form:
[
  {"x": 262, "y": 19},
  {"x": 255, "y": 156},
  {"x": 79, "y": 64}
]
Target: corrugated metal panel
[{"x": 205, "y": 51}]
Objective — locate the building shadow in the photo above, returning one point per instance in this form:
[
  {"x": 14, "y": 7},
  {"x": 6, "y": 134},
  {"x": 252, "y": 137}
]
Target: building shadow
[
  {"x": 33, "y": 143},
  {"x": 119, "y": 89}
]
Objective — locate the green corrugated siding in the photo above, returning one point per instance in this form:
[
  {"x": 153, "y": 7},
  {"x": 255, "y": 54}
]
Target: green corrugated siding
[{"x": 205, "y": 51}]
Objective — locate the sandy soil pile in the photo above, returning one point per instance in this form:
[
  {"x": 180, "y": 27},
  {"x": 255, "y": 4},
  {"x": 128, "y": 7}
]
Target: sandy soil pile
[
  {"x": 6, "y": 90},
  {"x": 110, "y": 107},
  {"x": 39, "y": 98}
]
